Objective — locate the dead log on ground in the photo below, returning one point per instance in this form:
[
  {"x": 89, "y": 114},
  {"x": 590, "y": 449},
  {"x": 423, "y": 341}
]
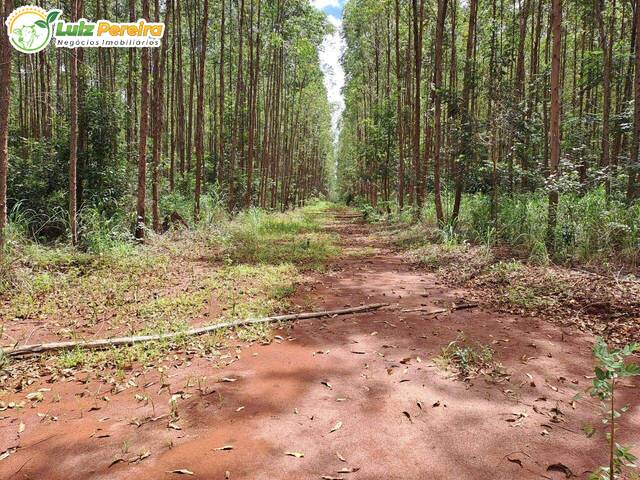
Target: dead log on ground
[
  {"x": 101, "y": 344},
  {"x": 429, "y": 311}
]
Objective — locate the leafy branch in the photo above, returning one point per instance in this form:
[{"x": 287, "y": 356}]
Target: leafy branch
[{"x": 612, "y": 366}]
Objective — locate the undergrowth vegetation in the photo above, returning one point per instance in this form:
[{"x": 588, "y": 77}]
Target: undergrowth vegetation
[
  {"x": 606, "y": 305},
  {"x": 589, "y": 229},
  {"x": 219, "y": 269},
  {"x": 468, "y": 360}
]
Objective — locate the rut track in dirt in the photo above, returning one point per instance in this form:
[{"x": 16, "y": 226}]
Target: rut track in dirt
[{"x": 359, "y": 394}]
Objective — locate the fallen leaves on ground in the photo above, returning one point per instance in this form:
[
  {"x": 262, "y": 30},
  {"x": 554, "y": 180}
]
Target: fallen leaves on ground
[
  {"x": 181, "y": 471},
  {"x": 561, "y": 468},
  {"x": 294, "y": 454}
]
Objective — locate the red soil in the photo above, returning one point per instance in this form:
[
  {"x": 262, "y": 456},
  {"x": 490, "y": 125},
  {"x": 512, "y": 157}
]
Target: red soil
[{"x": 401, "y": 416}]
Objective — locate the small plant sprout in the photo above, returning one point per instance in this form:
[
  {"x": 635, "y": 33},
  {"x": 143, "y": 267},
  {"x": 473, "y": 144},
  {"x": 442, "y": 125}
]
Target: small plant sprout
[
  {"x": 202, "y": 385},
  {"x": 173, "y": 405},
  {"x": 468, "y": 361},
  {"x": 611, "y": 367}
]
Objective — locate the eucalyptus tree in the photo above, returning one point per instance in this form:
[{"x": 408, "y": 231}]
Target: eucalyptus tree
[
  {"x": 491, "y": 133},
  {"x": 232, "y": 111}
]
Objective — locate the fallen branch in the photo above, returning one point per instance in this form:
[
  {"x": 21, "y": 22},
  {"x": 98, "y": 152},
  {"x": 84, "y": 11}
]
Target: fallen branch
[
  {"x": 101, "y": 344},
  {"x": 429, "y": 311},
  {"x": 425, "y": 309}
]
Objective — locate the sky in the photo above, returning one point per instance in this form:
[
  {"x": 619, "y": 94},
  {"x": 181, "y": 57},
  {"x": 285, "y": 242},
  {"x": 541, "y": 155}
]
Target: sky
[{"x": 330, "y": 53}]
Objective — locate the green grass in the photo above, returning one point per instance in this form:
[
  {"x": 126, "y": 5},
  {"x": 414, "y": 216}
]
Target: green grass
[
  {"x": 468, "y": 360},
  {"x": 247, "y": 266},
  {"x": 589, "y": 229},
  {"x": 294, "y": 237}
]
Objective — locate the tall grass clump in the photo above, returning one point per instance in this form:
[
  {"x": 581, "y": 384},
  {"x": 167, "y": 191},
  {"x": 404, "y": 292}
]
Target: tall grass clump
[
  {"x": 101, "y": 232},
  {"x": 257, "y": 236},
  {"x": 588, "y": 228}
]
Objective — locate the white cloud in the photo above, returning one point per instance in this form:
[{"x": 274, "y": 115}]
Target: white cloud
[
  {"x": 336, "y": 22},
  {"x": 330, "y": 53},
  {"x": 320, "y": 4}
]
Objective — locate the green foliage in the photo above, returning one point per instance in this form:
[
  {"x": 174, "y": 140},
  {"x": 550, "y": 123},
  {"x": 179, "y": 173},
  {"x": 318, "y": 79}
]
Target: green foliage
[
  {"x": 38, "y": 186},
  {"x": 101, "y": 233},
  {"x": 272, "y": 239},
  {"x": 247, "y": 266},
  {"x": 468, "y": 360},
  {"x": 102, "y": 164},
  {"x": 496, "y": 138},
  {"x": 612, "y": 365},
  {"x": 589, "y": 229}
]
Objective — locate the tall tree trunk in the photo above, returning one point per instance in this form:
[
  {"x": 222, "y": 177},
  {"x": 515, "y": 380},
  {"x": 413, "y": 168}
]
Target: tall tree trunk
[
  {"x": 418, "y": 14},
  {"x": 437, "y": 102},
  {"x": 142, "y": 140},
  {"x": 200, "y": 111},
  {"x": 236, "y": 109},
  {"x": 158, "y": 99},
  {"x": 131, "y": 110},
  {"x": 606, "y": 43},
  {"x": 73, "y": 137},
  {"x": 554, "y": 121},
  {"x": 520, "y": 139},
  {"x": 634, "y": 161},
  {"x": 253, "y": 101},
  {"x": 221, "y": 168},
  {"x": 5, "y": 103},
  {"x": 400, "y": 123},
  {"x": 466, "y": 116}
]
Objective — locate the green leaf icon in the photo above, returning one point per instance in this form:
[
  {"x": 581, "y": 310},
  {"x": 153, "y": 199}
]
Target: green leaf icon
[
  {"x": 41, "y": 23},
  {"x": 52, "y": 16}
]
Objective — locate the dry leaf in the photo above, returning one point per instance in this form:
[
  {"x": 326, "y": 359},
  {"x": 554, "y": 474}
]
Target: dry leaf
[
  {"x": 348, "y": 470},
  {"x": 337, "y": 426},
  {"x": 21, "y": 427},
  {"x": 515, "y": 460},
  {"x": 182, "y": 471},
  {"x": 37, "y": 396},
  {"x": 294, "y": 454},
  {"x": 225, "y": 447},
  {"x": 7, "y": 452},
  {"x": 140, "y": 457},
  {"x": 559, "y": 467},
  {"x": 340, "y": 457}
]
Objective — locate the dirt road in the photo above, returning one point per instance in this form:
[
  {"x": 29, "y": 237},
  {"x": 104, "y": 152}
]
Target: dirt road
[{"x": 357, "y": 397}]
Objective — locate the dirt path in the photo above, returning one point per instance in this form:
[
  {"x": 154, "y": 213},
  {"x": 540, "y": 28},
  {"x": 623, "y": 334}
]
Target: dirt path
[{"x": 372, "y": 375}]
